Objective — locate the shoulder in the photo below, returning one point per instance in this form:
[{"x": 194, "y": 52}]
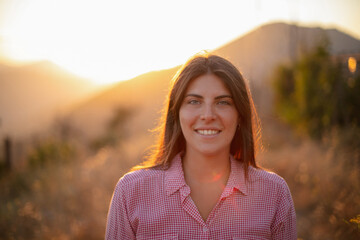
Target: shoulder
[
  {"x": 267, "y": 178},
  {"x": 141, "y": 177},
  {"x": 140, "y": 188},
  {"x": 265, "y": 175},
  {"x": 270, "y": 186}
]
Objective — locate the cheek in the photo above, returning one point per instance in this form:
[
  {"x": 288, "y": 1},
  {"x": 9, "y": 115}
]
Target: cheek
[
  {"x": 187, "y": 118},
  {"x": 230, "y": 117},
  {"x": 183, "y": 119},
  {"x": 232, "y": 121}
]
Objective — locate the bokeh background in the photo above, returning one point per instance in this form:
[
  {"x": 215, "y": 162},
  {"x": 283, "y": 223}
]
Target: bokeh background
[{"x": 82, "y": 85}]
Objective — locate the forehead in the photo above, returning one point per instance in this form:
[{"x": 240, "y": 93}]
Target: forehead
[{"x": 208, "y": 83}]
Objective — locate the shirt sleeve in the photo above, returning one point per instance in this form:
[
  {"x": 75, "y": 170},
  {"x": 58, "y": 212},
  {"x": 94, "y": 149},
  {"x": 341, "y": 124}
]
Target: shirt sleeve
[
  {"x": 284, "y": 225},
  {"x": 118, "y": 224}
]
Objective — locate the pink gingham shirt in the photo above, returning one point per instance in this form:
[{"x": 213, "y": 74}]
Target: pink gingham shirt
[{"x": 156, "y": 204}]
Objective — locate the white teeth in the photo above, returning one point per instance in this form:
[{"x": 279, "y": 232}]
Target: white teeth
[{"x": 208, "y": 132}]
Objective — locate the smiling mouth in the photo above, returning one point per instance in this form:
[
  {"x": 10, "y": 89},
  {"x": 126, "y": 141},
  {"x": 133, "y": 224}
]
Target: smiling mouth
[{"x": 207, "y": 132}]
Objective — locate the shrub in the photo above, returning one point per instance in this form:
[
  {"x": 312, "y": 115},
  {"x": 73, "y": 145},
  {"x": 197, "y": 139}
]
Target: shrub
[
  {"x": 51, "y": 151},
  {"x": 314, "y": 94}
]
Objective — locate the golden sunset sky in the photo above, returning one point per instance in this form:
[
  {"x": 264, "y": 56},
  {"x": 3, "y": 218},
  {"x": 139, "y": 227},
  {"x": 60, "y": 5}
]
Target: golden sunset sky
[{"x": 113, "y": 40}]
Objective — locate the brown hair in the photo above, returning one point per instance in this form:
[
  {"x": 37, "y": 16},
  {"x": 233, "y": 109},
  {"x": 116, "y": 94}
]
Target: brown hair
[{"x": 171, "y": 140}]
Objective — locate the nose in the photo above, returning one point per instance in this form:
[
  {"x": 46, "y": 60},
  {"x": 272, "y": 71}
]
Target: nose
[{"x": 208, "y": 113}]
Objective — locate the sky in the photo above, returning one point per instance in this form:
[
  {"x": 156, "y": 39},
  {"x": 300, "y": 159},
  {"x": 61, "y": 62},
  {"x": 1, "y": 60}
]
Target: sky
[{"x": 107, "y": 41}]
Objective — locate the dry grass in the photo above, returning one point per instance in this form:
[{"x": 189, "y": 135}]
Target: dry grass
[
  {"x": 324, "y": 178},
  {"x": 61, "y": 201},
  {"x": 69, "y": 200}
]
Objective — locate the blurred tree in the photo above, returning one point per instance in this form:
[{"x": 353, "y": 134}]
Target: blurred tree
[
  {"x": 314, "y": 94},
  {"x": 319, "y": 97},
  {"x": 115, "y": 129},
  {"x": 51, "y": 150}
]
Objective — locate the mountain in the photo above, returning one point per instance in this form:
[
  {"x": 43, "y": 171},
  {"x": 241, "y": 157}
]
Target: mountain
[
  {"x": 256, "y": 54},
  {"x": 143, "y": 96},
  {"x": 32, "y": 94}
]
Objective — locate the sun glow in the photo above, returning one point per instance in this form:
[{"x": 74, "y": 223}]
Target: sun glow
[
  {"x": 104, "y": 41},
  {"x": 88, "y": 38},
  {"x": 113, "y": 40}
]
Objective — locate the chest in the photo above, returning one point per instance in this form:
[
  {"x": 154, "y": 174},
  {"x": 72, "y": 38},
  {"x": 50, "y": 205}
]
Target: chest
[
  {"x": 205, "y": 197},
  {"x": 234, "y": 216}
]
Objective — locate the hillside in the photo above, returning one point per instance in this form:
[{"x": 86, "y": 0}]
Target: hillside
[
  {"x": 256, "y": 54},
  {"x": 259, "y": 51},
  {"x": 144, "y": 95},
  {"x": 32, "y": 94}
]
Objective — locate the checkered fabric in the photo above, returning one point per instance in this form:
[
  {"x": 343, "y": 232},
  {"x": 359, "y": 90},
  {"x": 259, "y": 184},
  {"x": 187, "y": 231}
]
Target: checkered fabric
[{"x": 156, "y": 204}]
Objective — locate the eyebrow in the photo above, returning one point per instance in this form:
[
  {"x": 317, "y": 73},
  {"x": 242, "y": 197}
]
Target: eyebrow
[{"x": 199, "y": 96}]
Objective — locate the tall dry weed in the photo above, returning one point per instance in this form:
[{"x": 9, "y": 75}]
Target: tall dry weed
[{"x": 324, "y": 178}]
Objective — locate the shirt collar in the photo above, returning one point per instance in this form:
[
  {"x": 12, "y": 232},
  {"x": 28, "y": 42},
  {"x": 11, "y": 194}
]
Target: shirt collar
[
  {"x": 175, "y": 180},
  {"x": 236, "y": 179},
  {"x": 174, "y": 176}
]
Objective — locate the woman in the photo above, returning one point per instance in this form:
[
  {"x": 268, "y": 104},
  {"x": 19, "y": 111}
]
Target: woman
[{"x": 202, "y": 181}]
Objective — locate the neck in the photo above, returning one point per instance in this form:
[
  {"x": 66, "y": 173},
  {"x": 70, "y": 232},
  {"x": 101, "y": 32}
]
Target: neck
[{"x": 208, "y": 169}]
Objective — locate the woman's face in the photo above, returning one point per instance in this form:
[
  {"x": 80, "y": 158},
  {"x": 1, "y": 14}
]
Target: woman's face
[{"x": 208, "y": 116}]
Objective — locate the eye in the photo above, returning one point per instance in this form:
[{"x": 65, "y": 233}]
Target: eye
[
  {"x": 193, "y": 101},
  {"x": 224, "y": 102}
]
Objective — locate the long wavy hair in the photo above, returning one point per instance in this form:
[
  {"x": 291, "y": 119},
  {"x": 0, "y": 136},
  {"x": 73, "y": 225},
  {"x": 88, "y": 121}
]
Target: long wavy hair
[{"x": 171, "y": 140}]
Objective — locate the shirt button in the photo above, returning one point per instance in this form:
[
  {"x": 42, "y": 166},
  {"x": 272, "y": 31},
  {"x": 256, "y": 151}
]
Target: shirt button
[{"x": 205, "y": 229}]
